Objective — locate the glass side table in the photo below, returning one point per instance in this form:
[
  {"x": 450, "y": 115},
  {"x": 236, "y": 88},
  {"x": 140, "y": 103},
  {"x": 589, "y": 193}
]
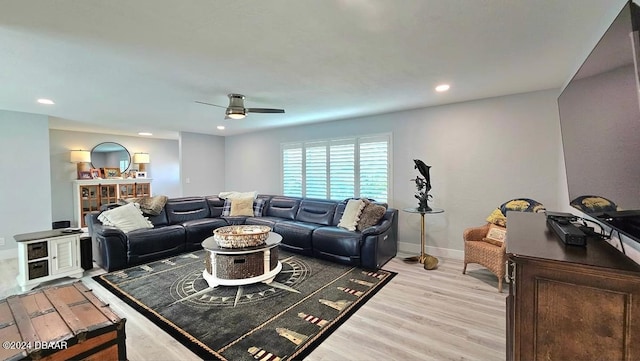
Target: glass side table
[{"x": 429, "y": 262}]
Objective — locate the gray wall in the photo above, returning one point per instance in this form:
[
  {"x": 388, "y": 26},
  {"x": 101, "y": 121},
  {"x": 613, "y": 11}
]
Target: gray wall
[
  {"x": 164, "y": 166},
  {"x": 202, "y": 161},
  {"x": 25, "y": 183},
  {"x": 482, "y": 154}
]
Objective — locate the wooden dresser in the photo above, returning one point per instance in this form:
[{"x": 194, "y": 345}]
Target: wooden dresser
[{"x": 569, "y": 302}]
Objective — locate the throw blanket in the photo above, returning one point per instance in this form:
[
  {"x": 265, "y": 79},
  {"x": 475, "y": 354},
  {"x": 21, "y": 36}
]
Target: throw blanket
[{"x": 150, "y": 205}]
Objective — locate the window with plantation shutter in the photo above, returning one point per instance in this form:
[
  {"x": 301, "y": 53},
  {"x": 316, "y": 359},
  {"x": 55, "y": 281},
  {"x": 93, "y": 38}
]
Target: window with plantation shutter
[
  {"x": 338, "y": 168},
  {"x": 342, "y": 169},
  {"x": 292, "y": 170},
  {"x": 374, "y": 168},
  {"x": 316, "y": 170}
]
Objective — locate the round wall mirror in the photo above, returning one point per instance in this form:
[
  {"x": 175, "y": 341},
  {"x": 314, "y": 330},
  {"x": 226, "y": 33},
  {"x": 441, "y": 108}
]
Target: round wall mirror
[{"x": 110, "y": 155}]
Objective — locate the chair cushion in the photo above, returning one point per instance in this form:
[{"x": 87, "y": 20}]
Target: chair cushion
[{"x": 496, "y": 235}]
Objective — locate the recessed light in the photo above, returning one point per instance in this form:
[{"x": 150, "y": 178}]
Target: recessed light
[
  {"x": 145, "y": 133},
  {"x": 45, "y": 101},
  {"x": 220, "y": 127},
  {"x": 442, "y": 87}
]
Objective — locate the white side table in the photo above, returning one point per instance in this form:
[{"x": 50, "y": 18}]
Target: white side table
[{"x": 47, "y": 255}]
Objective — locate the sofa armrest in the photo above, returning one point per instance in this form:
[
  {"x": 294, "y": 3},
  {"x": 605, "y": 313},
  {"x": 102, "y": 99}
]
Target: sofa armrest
[
  {"x": 378, "y": 228},
  {"x": 380, "y": 242},
  {"x": 388, "y": 219},
  {"x": 110, "y": 247}
]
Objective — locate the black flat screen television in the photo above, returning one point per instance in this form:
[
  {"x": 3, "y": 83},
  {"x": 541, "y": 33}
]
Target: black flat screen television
[{"x": 600, "y": 124}]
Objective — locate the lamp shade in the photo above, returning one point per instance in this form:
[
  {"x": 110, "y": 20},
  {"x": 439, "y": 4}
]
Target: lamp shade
[
  {"x": 80, "y": 156},
  {"x": 141, "y": 158}
]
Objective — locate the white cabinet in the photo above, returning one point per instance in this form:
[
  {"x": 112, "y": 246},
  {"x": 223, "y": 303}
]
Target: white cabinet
[
  {"x": 47, "y": 255},
  {"x": 64, "y": 254}
]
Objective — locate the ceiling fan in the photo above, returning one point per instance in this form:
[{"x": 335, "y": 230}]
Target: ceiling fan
[{"x": 236, "y": 109}]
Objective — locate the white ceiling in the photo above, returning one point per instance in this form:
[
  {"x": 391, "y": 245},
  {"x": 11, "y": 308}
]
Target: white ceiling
[{"x": 124, "y": 66}]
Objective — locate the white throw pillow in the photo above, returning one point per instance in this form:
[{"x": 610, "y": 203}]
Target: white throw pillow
[
  {"x": 127, "y": 218},
  {"x": 351, "y": 214},
  {"x": 234, "y": 194}
]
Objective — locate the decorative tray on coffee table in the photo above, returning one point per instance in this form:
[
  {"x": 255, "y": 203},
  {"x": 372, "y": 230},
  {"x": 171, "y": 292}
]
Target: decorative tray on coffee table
[{"x": 241, "y": 236}]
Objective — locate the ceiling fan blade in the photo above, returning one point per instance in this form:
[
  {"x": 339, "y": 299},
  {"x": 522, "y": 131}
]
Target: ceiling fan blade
[
  {"x": 215, "y": 105},
  {"x": 264, "y": 110}
]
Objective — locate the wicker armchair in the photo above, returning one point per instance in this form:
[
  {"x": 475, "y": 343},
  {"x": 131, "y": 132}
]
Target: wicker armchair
[{"x": 477, "y": 250}]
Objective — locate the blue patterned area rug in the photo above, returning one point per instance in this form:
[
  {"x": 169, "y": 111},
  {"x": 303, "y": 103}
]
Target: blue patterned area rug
[{"x": 283, "y": 320}]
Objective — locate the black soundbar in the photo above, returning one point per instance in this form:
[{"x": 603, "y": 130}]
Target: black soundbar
[{"x": 568, "y": 233}]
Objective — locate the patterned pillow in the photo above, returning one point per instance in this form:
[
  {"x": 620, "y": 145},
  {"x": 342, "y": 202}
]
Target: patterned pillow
[
  {"x": 522, "y": 205},
  {"x": 593, "y": 204},
  {"x": 496, "y": 235},
  {"x": 371, "y": 215},
  {"x": 258, "y": 206},
  {"x": 499, "y": 215}
]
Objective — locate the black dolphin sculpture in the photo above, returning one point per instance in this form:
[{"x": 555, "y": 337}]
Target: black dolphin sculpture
[{"x": 424, "y": 170}]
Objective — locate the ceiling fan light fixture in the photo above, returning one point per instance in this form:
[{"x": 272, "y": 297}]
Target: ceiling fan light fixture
[{"x": 235, "y": 113}]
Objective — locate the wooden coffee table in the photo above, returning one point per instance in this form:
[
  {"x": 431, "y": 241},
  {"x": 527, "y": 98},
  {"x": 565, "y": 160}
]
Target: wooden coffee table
[{"x": 241, "y": 266}]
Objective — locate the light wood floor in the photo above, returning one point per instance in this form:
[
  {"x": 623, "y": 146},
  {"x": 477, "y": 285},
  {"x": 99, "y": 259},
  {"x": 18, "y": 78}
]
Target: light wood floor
[{"x": 420, "y": 315}]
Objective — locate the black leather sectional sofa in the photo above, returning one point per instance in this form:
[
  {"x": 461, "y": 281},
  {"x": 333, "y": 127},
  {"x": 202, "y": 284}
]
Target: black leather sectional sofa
[{"x": 308, "y": 226}]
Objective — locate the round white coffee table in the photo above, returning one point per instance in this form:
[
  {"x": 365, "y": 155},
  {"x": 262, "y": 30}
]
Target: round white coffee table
[{"x": 241, "y": 266}]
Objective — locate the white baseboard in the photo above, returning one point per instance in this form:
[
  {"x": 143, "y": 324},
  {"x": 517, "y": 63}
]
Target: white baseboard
[
  {"x": 412, "y": 248},
  {"x": 9, "y": 253}
]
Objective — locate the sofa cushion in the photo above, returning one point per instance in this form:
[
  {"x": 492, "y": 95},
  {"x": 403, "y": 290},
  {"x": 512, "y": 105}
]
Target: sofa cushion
[
  {"x": 335, "y": 241},
  {"x": 282, "y": 207},
  {"x": 184, "y": 209},
  {"x": 216, "y": 205},
  {"x": 351, "y": 214},
  {"x": 127, "y": 218},
  {"x": 197, "y": 230},
  {"x": 263, "y": 221},
  {"x": 158, "y": 221},
  {"x": 316, "y": 211},
  {"x": 145, "y": 244},
  {"x": 296, "y": 235}
]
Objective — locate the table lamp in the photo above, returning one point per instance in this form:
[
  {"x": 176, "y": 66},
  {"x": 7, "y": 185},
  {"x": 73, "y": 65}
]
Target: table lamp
[
  {"x": 141, "y": 159},
  {"x": 82, "y": 158}
]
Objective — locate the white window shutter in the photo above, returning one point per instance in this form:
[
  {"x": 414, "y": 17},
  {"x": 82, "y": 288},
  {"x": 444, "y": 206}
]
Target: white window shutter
[
  {"x": 374, "y": 168},
  {"x": 316, "y": 170},
  {"x": 342, "y": 169},
  {"x": 292, "y": 171}
]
